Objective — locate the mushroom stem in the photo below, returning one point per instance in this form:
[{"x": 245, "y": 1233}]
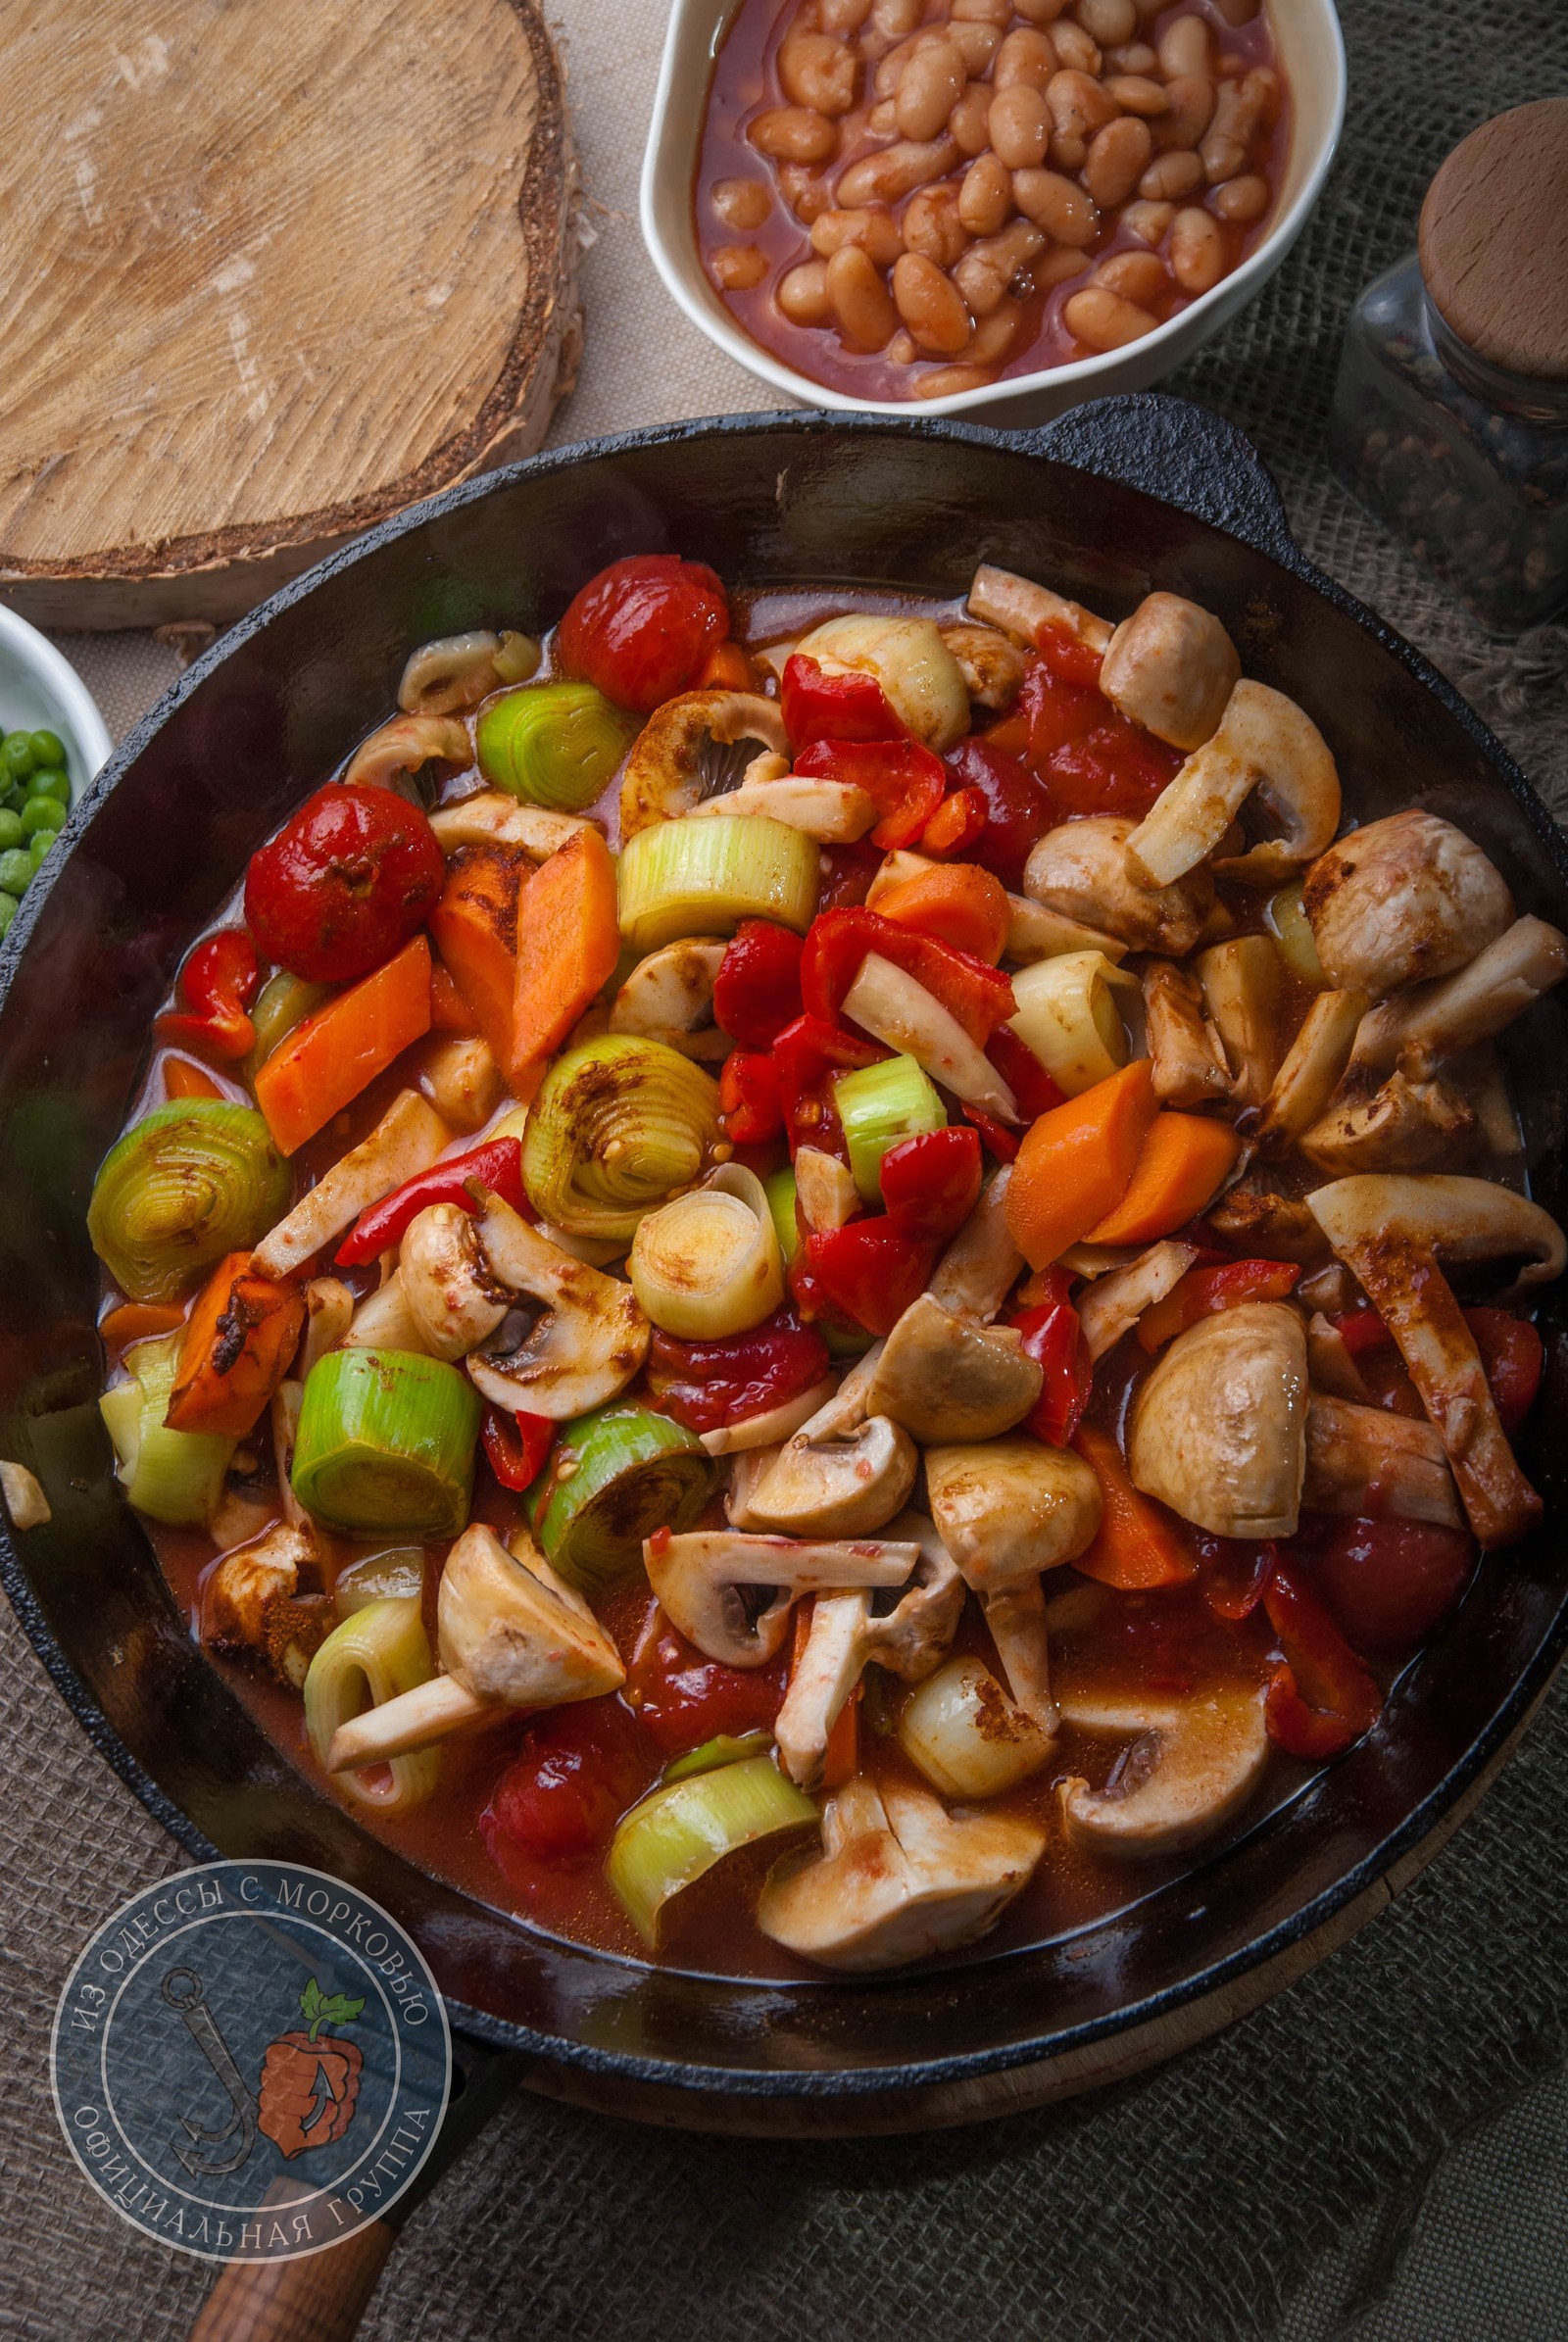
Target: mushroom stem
[
  {"x": 1431, "y": 1021},
  {"x": 1016, "y": 1617},
  {"x": 1019, "y": 607},
  {"x": 1313, "y": 1067},
  {"x": 1369, "y": 1462},
  {"x": 1264, "y": 745}
]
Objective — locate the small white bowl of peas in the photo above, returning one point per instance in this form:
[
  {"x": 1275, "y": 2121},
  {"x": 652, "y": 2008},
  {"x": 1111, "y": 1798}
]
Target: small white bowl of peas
[{"x": 52, "y": 741}]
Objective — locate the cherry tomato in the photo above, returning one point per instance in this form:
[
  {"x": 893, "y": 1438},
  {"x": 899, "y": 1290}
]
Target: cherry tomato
[
  {"x": 643, "y": 628},
  {"x": 1390, "y": 1582},
  {"x": 1019, "y": 810},
  {"x": 757, "y": 992},
  {"x": 562, "y": 1796},
  {"x": 681, "y": 1699},
  {"x": 931, "y": 1183},
  {"x": 1514, "y": 1356},
  {"x": 1088, "y": 755},
  {"x": 344, "y": 884}
]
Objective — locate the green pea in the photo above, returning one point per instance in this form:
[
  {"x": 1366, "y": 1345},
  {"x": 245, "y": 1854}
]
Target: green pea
[
  {"x": 16, "y": 869},
  {"x": 40, "y": 813},
  {"x": 47, "y": 748},
  {"x": 40, "y": 842},
  {"x": 9, "y": 907},
  {"x": 17, "y": 757},
  {"x": 11, "y": 831},
  {"x": 12, "y": 800},
  {"x": 50, "y": 781}
]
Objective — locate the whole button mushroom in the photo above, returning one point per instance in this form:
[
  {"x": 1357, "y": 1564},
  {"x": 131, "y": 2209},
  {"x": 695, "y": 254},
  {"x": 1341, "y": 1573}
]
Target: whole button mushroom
[
  {"x": 1406, "y": 897},
  {"x": 1219, "y": 1427}
]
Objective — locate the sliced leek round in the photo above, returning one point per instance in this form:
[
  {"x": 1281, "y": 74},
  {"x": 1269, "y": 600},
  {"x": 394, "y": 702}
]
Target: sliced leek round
[
  {"x": 385, "y": 1442},
  {"x": 709, "y": 1264},
  {"x": 678, "y": 1832},
  {"x": 617, "y": 1125},
  {"x": 173, "y": 1477},
  {"x": 704, "y": 877},
  {"x": 379, "y": 1652},
  {"x": 1067, "y": 1013},
  {"x": 615, "y": 1476}
]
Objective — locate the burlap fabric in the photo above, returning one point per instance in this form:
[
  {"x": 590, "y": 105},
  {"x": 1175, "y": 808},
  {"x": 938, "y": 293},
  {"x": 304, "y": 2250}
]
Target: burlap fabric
[{"x": 1380, "y": 2152}]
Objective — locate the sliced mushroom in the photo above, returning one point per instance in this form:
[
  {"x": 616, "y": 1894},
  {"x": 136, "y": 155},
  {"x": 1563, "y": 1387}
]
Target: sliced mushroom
[
  {"x": 827, "y": 1482},
  {"x": 946, "y": 1377},
  {"x": 450, "y": 1294},
  {"x": 1016, "y": 1617},
  {"x": 1184, "y": 1049},
  {"x": 845, "y": 1634},
  {"x": 825, "y": 1189},
  {"x": 1392, "y": 1233},
  {"x": 1421, "y": 1027},
  {"x": 1009, "y": 1508},
  {"x": 407, "y": 1141},
  {"x": 462, "y": 669},
  {"x": 401, "y": 748},
  {"x": 1255, "y": 1219},
  {"x": 1312, "y": 1069},
  {"x": 513, "y": 1635},
  {"x": 1020, "y": 608},
  {"x": 835, "y": 812},
  {"x": 1035, "y": 933},
  {"x": 1171, "y": 667},
  {"x": 1240, "y": 981},
  {"x": 673, "y": 765},
  {"x": 1191, "y": 1769},
  {"x": 896, "y": 1878},
  {"x": 698, "y": 1579},
  {"x": 1405, "y": 1126},
  {"x": 1115, "y": 1302},
  {"x": 462, "y": 1079},
  {"x": 25, "y": 1501},
  {"x": 383, "y": 1320},
  {"x": 888, "y": 1003},
  {"x": 669, "y": 996},
  {"x": 493, "y": 818},
  {"x": 587, "y": 1344},
  {"x": 1218, "y": 1428},
  {"x": 1267, "y": 748},
  {"x": 1330, "y": 1364},
  {"x": 1404, "y": 900},
  {"x": 991, "y": 667},
  {"x": 908, "y": 657},
  {"x": 328, "y": 1315},
  {"x": 1084, "y": 871},
  {"x": 980, "y": 1266},
  {"x": 1370, "y": 1462},
  {"x": 236, "y": 1594}
]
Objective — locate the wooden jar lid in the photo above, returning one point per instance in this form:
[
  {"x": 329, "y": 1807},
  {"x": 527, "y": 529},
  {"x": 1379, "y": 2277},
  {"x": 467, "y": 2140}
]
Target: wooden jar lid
[
  {"x": 275, "y": 271},
  {"x": 1495, "y": 240}
]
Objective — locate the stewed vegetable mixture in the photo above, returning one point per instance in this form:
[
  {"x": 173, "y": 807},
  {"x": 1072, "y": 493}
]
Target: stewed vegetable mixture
[{"x": 784, "y": 1280}]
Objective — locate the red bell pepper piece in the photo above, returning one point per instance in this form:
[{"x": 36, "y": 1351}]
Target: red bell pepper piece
[
  {"x": 704, "y": 1385},
  {"x": 757, "y": 992},
  {"x": 749, "y": 1097},
  {"x": 497, "y": 1164},
  {"x": 931, "y": 1183},
  {"x": 1360, "y": 1329},
  {"x": 1233, "y": 1571},
  {"x": 870, "y": 1269},
  {"x": 979, "y": 997},
  {"x": 1320, "y": 1697},
  {"x": 680, "y": 1698},
  {"x": 516, "y": 1447},
  {"x": 1203, "y": 1292},
  {"x": 806, "y": 1055},
  {"x": 848, "y": 874},
  {"x": 1002, "y": 1143},
  {"x": 1054, "y": 1337},
  {"x": 954, "y": 825},
  {"x": 903, "y": 779},
  {"x": 1031, "y": 1085},
  {"x": 218, "y": 981},
  {"x": 818, "y": 707}
]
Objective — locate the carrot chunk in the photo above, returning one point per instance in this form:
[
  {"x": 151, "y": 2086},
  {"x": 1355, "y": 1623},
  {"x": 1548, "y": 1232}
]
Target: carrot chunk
[
  {"x": 957, "y": 903},
  {"x": 1077, "y": 1162},
  {"x": 1181, "y": 1164},
  {"x": 1138, "y": 1544},
  {"x": 328, "y": 1060},
  {"x": 183, "y": 1079},
  {"x": 239, "y": 1339},
  {"x": 568, "y": 942},
  {"x": 474, "y": 928}
]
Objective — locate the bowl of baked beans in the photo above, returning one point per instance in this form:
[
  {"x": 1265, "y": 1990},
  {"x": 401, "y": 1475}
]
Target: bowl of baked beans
[{"x": 985, "y": 206}]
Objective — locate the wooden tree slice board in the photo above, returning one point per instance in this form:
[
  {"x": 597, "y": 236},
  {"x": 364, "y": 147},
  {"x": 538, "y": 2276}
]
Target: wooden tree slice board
[{"x": 277, "y": 268}]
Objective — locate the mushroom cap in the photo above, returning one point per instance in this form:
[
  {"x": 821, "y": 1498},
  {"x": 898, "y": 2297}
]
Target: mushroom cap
[
  {"x": 832, "y": 1487},
  {"x": 669, "y": 996},
  {"x": 1009, "y": 1508},
  {"x": 1171, "y": 666},
  {"x": 1401, "y": 899},
  {"x": 1219, "y": 1426},
  {"x": 991, "y": 666},
  {"x": 512, "y": 1632},
  {"x": 1381, "y": 1217},
  {"x": 663, "y": 775},
  {"x": 944, "y": 1376},
  {"x": 897, "y": 1879},
  {"x": 1193, "y": 1765},
  {"x": 587, "y": 1345},
  {"x": 1082, "y": 870},
  {"x": 454, "y": 1299}
]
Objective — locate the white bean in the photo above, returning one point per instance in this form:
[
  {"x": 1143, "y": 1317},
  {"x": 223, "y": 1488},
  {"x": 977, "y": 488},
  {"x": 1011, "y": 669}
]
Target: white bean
[
  {"x": 874, "y": 229},
  {"x": 1139, "y": 277},
  {"x": 968, "y": 124},
  {"x": 1196, "y": 250},
  {"x": 862, "y": 302},
  {"x": 1103, "y": 319},
  {"x": 931, "y": 306},
  {"x": 802, "y": 294},
  {"x": 1067, "y": 213},
  {"x": 1024, "y": 56},
  {"x": 1020, "y": 126},
  {"x": 1117, "y": 158},
  {"x": 929, "y": 87},
  {"x": 1182, "y": 47},
  {"x": 985, "y": 199},
  {"x": 1169, "y": 177},
  {"x": 815, "y": 70},
  {"x": 1137, "y": 94},
  {"x": 1241, "y": 199},
  {"x": 932, "y": 225},
  {"x": 741, "y": 203},
  {"x": 897, "y": 171},
  {"x": 1077, "y": 52},
  {"x": 1107, "y": 20},
  {"x": 794, "y": 134},
  {"x": 1078, "y": 105}
]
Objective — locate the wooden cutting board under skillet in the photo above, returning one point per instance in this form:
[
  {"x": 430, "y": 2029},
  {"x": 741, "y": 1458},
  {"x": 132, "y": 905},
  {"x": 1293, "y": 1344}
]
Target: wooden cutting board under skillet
[{"x": 277, "y": 268}]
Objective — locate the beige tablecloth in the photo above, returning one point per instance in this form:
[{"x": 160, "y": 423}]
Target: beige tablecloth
[{"x": 1291, "y": 2158}]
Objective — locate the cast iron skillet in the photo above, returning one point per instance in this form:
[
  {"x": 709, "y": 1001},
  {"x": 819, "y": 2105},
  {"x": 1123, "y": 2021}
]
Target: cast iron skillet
[{"x": 265, "y": 716}]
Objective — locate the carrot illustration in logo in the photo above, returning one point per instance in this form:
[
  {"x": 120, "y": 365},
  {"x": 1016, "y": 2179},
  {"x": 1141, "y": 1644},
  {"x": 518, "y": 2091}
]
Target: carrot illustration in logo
[{"x": 309, "y": 2086}]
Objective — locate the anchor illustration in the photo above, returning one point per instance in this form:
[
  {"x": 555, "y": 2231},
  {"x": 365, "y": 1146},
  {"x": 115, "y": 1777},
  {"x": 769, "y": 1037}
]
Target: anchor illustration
[{"x": 182, "y": 1989}]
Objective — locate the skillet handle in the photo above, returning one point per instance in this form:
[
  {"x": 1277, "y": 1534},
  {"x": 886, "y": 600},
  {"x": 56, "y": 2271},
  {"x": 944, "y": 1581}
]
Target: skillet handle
[
  {"x": 321, "y": 2298},
  {"x": 1181, "y": 453}
]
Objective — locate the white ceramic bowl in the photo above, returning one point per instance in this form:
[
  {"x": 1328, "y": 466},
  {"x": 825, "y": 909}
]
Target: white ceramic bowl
[
  {"x": 1306, "y": 35},
  {"x": 40, "y": 691}
]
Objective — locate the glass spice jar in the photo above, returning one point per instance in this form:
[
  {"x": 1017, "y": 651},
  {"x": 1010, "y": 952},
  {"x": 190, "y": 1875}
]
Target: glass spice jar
[{"x": 1450, "y": 411}]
